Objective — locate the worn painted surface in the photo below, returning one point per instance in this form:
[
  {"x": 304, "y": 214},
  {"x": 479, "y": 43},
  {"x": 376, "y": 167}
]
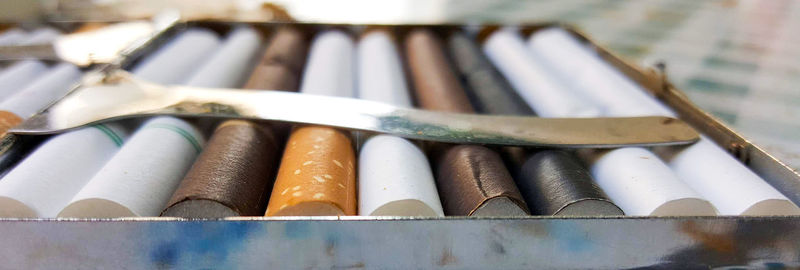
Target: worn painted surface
[{"x": 402, "y": 243}]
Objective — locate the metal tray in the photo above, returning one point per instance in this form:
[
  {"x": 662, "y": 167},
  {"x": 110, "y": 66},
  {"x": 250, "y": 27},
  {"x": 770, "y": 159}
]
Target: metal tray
[{"x": 410, "y": 242}]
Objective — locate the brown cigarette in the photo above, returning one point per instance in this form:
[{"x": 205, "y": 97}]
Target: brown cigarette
[
  {"x": 437, "y": 87},
  {"x": 232, "y": 175},
  {"x": 273, "y": 77},
  {"x": 471, "y": 179},
  {"x": 470, "y": 176},
  {"x": 282, "y": 62},
  {"x": 90, "y": 26},
  {"x": 317, "y": 175}
]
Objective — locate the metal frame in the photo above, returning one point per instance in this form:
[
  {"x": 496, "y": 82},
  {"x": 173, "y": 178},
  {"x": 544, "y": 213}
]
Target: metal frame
[{"x": 410, "y": 242}]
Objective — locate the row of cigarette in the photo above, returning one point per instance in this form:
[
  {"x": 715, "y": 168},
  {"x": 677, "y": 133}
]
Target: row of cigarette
[
  {"x": 20, "y": 37},
  {"x": 165, "y": 167}
]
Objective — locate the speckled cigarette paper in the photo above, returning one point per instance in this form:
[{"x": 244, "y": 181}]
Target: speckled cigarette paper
[
  {"x": 317, "y": 175},
  {"x": 471, "y": 179},
  {"x": 317, "y": 172},
  {"x": 552, "y": 182},
  {"x": 706, "y": 168},
  {"x": 634, "y": 178},
  {"x": 394, "y": 176}
]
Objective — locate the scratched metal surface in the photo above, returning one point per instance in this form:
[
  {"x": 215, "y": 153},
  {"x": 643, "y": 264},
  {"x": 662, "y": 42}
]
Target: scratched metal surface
[{"x": 404, "y": 244}]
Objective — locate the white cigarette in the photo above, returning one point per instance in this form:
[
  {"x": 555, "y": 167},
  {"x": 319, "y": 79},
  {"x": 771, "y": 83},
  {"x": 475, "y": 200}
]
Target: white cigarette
[
  {"x": 540, "y": 89},
  {"x": 44, "y": 182},
  {"x": 640, "y": 184},
  {"x": 654, "y": 190},
  {"x": 179, "y": 58},
  {"x": 232, "y": 61},
  {"x": 730, "y": 186},
  {"x": 40, "y": 36},
  {"x": 704, "y": 166},
  {"x": 330, "y": 69},
  {"x": 15, "y": 77},
  {"x": 395, "y": 178},
  {"x": 140, "y": 178},
  {"x": 592, "y": 76},
  {"x": 12, "y": 37},
  {"x": 48, "y": 88},
  {"x": 380, "y": 71}
]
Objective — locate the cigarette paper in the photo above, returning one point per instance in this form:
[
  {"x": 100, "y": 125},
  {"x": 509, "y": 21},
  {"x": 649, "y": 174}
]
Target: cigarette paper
[
  {"x": 232, "y": 175},
  {"x": 12, "y": 37},
  {"x": 637, "y": 181},
  {"x": 49, "y": 87},
  {"x": 15, "y": 77},
  {"x": 231, "y": 62},
  {"x": 471, "y": 179},
  {"x": 317, "y": 175},
  {"x": 141, "y": 177},
  {"x": 44, "y": 182},
  {"x": 175, "y": 61},
  {"x": 330, "y": 69},
  {"x": 704, "y": 166},
  {"x": 395, "y": 178}
]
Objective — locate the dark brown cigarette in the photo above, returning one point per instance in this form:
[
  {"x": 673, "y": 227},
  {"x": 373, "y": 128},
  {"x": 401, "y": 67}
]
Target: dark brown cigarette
[
  {"x": 552, "y": 182},
  {"x": 273, "y": 77},
  {"x": 286, "y": 54},
  {"x": 556, "y": 183},
  {"x": 231, "y": 177},
  {"x": 436, "y": 86},
  {"x": 471, "y": 179}
]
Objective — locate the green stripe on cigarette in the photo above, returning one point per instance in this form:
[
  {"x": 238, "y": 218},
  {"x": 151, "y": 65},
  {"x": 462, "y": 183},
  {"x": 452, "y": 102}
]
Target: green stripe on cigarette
[
  {"x": 110, "y": 133},
  {"x": 188, "y": 136}
]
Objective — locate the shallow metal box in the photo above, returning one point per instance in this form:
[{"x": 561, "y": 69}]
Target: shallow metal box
[{"x": 404, "y": 242}]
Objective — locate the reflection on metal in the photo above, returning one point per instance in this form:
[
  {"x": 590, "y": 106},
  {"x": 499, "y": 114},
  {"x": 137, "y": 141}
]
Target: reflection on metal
[
  {"x": 122, "y": 96},
  {"x": 85, "y": 48}
]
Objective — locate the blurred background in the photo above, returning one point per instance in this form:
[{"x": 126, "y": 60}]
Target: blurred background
[{"x": 737, "y": 59}]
